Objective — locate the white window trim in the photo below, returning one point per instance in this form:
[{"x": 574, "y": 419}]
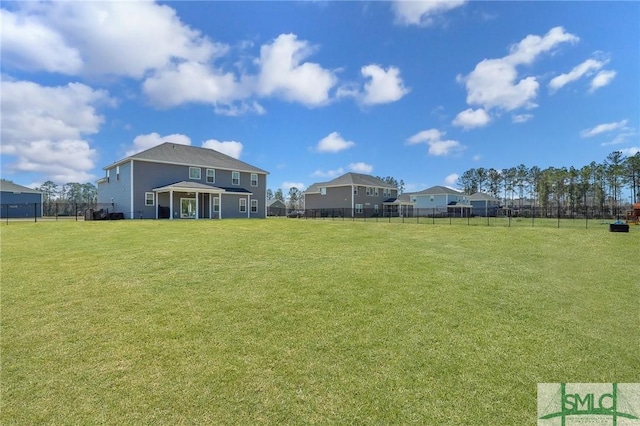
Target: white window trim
[
  {"x": 216, "y": 204},
  {"x": 256, "y": 181},
  {"x": 232, "y": 178},
  {"x": 323, "y": 190},
  {"x": 146, "y": 199},
  {"x": 213, "y": 175},
  {"x": 359, "y": 208},
  {"x": 117, "y": 173},
  {"x": 199, "y": 173},
  {"x": 108, "y": 175},
  {"x": 242, "y": 202},
  {"x": 254, "y": 204}
]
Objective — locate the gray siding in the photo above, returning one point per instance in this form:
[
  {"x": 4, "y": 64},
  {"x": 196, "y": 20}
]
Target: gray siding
[
  {"x": 148, "y": 176},
  {"x": 336, "y": 198},
  {"x": 340, "y": 197},
  {"x": 20, "y": 205},
  {"x": 117, "y": 191}
]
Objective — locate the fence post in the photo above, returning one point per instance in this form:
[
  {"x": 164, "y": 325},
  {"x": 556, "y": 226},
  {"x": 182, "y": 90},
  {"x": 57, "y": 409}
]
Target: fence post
[
  {"x": 75, "y": 210},
  {"x": 35, "y": 212},
  {"x": 586, "y": 217},
  {"x": 433, "y": 216},
  {"x": 7, "y": 213},
  {"x": 558, "y": 216}
]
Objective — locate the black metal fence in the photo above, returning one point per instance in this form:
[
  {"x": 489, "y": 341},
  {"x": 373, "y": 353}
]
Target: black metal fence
[
  {"x": 532, "y": 216},
  {"x": 56, "y": 211}
]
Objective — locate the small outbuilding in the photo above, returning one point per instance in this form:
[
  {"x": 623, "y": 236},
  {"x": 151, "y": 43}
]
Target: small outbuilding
[
  {"x": 17, "y": 201},
  {"x": 276, "y": 207}
]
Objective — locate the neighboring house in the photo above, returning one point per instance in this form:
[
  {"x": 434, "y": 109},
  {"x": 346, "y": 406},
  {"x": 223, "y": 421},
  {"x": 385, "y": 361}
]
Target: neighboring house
[
  {"x": 173, "y": 181},
  {"x": 276, "y": 207},
  {"x": 440, "y": 199},
  {"x": 484, "y": 204},
  {"x": 352, "y": 194},
  {"x": 19, "y": 201}
]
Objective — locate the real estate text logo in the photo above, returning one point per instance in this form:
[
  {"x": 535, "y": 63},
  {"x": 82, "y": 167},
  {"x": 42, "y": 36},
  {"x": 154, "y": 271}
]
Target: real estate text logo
[{"x": 566, "y": 404}]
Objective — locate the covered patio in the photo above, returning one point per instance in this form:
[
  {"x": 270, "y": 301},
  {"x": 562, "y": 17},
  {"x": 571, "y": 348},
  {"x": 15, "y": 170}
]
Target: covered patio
[{"x": 193, "y": 200}]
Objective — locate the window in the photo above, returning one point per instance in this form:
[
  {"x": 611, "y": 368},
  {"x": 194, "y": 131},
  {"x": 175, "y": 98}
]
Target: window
[
  {"x": 323, "y": 191},
  {"x": 216, "y": 204},
  {"x": 355, "y": 190},
  {"x": 195, "y": 173},
  {"x": 211, "y": 175},
  {"x": 235, "y": 179},
  {"x": 254, "y": 206},
  {"x": 149, "y": 199},
  {"x": 117, "y": 173},
  {"x": 431, "y": 198},
  {"x": 375, "y": 208},
  {"x": 376, "y": 192},
  {"x": 254, "y": 179},
  {"x": 368, "y": 191},
  {"x": 243, "y": 205},
  {"x": 108, "y": 176},
  {"x": 358, "y": 208}
]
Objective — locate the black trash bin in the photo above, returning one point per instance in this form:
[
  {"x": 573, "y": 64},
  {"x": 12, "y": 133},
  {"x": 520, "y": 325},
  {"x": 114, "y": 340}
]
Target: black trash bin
[{"x": 618, "y": 226}]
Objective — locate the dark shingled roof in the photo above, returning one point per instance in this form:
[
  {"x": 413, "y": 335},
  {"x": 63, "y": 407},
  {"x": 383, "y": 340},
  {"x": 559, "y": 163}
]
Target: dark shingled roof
[
  {"x": 173, "y": 153},
  {"x": 348, "y": 179}
]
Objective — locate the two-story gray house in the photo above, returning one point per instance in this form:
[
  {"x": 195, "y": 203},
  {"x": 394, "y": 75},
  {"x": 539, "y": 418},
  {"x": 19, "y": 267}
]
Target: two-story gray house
[
  {"x": 173, "y": 181},
  {"x": 352, "y": 194}
]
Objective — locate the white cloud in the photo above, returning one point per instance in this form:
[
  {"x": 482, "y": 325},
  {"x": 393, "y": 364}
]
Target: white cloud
[
  {"x": 282, "y": 73},
  {"x": 29, "y": 44},
  {"x": 43, "y": 127},
  {"x": 603, "y": 128},
  {"x": 451, "y": 179},
  {"x": 421, "y": 12},
  {"x": 494, "y": 83},
  {"x": 437, "y": 146},
  {"x": 119, "y": 38},
  {"x": 384, "y": 86},
  {"x": 602, "y": 79},
  {"x": 330, "y": 174},
  {"x": 620, "y": 138},
  {"x": 361, "y": 167},
  {"x": 286, "y": 186},
  {"x": 470, "y": 118},
  {"x": 192, "y": 82},
  {"x": 477, "y": 157},
  {"x": 521, "y": 118},
  {"x": 230, "y": 148},
  {"x": 585, "y": 68},
  {"x": 630, "y": 151},
  {"x": 333, "y": 143},
  {"x": 425, "y": 136},
  {"x": 144, "y": 142}
]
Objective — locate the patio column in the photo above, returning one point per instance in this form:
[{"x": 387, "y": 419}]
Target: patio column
[
  {"x": 220, "y": 207},
  {"x": 248, "y": 206},
  {"x": 197, "y": 200},
  {"x": 210, "y": 205},
  {"x": 171, "y": 204}
]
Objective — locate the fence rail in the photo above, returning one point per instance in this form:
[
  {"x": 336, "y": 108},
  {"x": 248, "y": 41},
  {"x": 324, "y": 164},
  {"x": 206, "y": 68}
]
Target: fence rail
[
  {"x": 557, "y": 217},
  {"x": 54, "y": 211}
]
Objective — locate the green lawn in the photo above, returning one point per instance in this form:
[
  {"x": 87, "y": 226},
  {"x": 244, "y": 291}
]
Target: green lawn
[{"x": 308, "y": 321}]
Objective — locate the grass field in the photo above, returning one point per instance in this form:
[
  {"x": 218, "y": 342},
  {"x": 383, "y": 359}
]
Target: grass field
[{"x": 308, "y": 322}]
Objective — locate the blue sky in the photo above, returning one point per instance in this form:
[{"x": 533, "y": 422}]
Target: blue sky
[{"x": 420, "y": 91}]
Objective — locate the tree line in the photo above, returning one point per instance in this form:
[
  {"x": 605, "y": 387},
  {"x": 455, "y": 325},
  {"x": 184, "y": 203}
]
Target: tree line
[
  {"x": 63, "y": 199},
  {"x": 594, "y": 186}
]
